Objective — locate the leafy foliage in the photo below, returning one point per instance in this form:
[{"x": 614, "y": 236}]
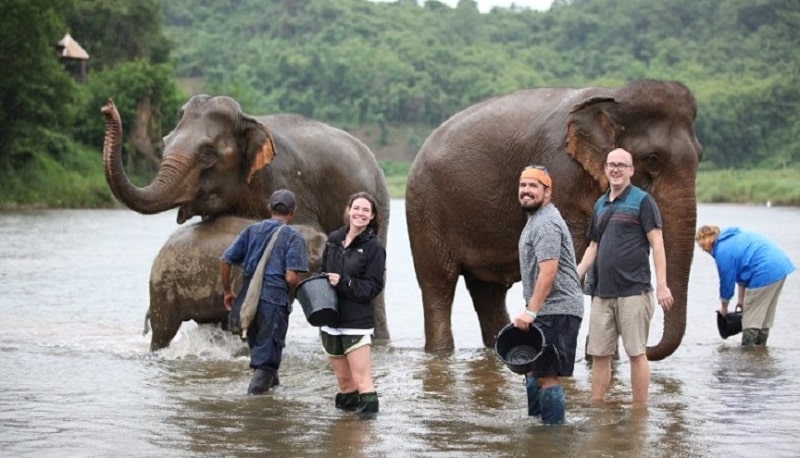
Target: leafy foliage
[
  {"x": 391, "y": 71},
  {"x": 354, "y": 61}
]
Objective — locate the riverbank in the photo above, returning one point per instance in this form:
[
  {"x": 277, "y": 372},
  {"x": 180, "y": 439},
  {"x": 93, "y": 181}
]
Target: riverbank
[{"x": 87, "y": 189}]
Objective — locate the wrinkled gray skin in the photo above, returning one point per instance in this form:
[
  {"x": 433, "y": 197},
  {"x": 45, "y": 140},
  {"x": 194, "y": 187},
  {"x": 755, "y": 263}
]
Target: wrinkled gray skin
[
  {"x": 185, "y": 282},
  {"x": 219, "y": 161},
  {"x": 461, "y": 200}
]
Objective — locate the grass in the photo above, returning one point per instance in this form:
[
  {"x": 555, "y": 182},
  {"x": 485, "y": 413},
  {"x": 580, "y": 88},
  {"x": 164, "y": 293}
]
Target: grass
[
  {"x": 779, "y": 187},
  {"x": 46, "y": 183}
]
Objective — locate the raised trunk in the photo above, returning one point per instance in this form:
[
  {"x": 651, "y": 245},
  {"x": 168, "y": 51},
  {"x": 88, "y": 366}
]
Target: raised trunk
[
  {"x": 679, "y": 247},
  {"x": 156, "y": 197}
]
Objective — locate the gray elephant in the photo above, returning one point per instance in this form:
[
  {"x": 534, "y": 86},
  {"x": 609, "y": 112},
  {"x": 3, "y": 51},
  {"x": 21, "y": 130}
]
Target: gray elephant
[
  {"x": 185, "y": 282},
  {"x": 461, "y": 205},
  {"x": 219, "y": 161}
]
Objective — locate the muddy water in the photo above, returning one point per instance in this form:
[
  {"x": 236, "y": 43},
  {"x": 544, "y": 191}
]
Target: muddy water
[{"x": 77, "y": 379}]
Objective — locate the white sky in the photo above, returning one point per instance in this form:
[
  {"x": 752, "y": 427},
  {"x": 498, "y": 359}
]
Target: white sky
[{"x": 485, "y": 5}]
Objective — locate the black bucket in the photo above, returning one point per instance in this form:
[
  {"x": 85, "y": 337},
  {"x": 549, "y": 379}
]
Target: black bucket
[
  {"x": 730, "y": 324},
  {"x": 519, "y": 349},
  {"x": 318, "y": 299}
]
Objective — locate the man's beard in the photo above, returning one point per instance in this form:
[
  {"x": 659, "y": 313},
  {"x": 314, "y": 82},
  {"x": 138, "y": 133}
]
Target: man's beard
[{"x": 531, "y": 208}]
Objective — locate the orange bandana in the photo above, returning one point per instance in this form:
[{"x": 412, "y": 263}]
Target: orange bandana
[{"x": 537, "y": 174}]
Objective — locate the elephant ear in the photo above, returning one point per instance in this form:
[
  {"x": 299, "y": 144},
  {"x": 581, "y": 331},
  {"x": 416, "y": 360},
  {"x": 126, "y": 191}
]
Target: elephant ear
[
  {"x": 591, "y": 134},
  {"x": 259, "y": 147}
]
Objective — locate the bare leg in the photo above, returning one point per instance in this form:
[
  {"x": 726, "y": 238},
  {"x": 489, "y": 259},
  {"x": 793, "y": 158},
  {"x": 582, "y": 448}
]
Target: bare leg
[
  {"x": 360, "y": 366},
  {"x": 601, "y": 376},
  {"x": 640, "y": 378},
  {"x": 344, "y": 378}
]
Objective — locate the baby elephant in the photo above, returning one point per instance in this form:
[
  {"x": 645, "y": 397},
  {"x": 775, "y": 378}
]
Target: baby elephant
[{"x": 185, "y": 281}]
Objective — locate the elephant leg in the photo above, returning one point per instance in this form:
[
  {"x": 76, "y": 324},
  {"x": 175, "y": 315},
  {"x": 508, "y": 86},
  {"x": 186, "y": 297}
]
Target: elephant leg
[
  {"x": 164, "y": 326},
  {"x": 381, "y": 326},
  {"x": 437, "y": 300},
  {"x": 489, "y": 300}
]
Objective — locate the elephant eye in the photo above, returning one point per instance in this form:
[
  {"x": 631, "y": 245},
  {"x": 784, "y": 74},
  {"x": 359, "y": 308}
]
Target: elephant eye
[
  {"x": 653, "y": 162},
  {"x": 208, "y": 155}
]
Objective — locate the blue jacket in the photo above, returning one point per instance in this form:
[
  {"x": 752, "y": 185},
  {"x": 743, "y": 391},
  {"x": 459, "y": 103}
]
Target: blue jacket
[{"x": 747, "y": 259}]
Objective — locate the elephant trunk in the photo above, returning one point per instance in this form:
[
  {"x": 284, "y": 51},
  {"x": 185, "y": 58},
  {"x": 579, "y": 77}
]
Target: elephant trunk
[
  {"x": 158, "y": 196},
  {"x": 678, "y": 234}
]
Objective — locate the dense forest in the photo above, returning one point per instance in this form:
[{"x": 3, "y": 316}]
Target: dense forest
[{"x": 389, "y": 72}]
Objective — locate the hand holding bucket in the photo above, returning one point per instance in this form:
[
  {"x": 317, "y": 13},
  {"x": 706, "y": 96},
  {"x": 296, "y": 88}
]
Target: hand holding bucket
[
  {"x": 318, "y": 299},
  {"x": 519, "y": 349},
  {"x": 729, "y": 324}
]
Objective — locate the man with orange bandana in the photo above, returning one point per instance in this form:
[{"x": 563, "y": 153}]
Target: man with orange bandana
[{"x": 553, "y": 297}]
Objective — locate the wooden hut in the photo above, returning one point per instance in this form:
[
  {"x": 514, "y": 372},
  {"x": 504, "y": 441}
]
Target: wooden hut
[{"x": 73, "y": 56}]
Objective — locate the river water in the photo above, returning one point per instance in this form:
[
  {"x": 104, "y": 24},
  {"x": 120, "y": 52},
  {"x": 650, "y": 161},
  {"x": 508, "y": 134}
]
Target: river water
[{"x": 77, "y": 379}]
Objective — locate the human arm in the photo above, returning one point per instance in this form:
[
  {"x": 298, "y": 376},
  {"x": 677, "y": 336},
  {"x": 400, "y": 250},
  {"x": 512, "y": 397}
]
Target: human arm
[
  {"x": 368, "y": 282},
  {"x": 296, "y": 260},
  {"x": 541, "y": 289},
  {"x": 663, "y": 293},
  {"x": 292, "y": 279},
  {"x": 723, "y": 307},
  {"x": 228, "y": 295},
  {"x": 589, "y": 256}
]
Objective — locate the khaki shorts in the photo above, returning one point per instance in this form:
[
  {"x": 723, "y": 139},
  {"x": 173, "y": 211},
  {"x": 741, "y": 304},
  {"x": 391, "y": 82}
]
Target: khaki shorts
[
  {"x": 340, "y": 345},
  {"x": 628, "y": 317}
]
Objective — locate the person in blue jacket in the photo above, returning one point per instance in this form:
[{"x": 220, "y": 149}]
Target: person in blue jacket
[{"x": 760, "y": 269}]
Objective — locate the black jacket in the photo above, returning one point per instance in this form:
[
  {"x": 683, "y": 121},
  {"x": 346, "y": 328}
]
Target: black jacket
[{"x": 362, "y": 267}]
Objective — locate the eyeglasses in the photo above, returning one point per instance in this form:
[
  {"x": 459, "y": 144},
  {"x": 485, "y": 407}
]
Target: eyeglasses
[
  {"x": 617, "y": 166},
  {"x": 538, "y": 167}
]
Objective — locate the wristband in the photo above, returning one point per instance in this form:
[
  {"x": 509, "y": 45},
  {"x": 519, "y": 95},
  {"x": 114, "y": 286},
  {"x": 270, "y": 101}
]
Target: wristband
[{"x": 532, "y": 314}]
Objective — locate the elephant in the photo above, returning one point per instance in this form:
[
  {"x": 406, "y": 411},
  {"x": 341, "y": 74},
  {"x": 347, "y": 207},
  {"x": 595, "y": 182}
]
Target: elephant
[
  {"x": 185, "y": 282},
  {"x": 462, "y": 211},
  {"x": 219, "y": 161}
]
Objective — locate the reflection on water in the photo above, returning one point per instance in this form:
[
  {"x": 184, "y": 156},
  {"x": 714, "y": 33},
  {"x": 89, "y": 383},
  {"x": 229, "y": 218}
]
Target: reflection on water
[{"x": 78, "y": 379}]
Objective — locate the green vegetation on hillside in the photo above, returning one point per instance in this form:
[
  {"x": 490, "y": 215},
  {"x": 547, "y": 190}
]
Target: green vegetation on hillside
[{"x": 387, "y": 72}]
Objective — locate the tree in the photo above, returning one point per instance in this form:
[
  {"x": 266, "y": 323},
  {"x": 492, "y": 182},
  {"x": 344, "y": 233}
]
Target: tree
[{"x": 35, "y": 91}]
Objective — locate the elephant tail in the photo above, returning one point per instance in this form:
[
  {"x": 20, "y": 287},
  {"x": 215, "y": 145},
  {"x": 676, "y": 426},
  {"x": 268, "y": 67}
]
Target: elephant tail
[{"x": 146, "y": 322}]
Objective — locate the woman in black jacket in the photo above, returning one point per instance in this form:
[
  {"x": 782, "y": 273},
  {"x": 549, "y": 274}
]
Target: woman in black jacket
[{"x": 355, "y": 262}]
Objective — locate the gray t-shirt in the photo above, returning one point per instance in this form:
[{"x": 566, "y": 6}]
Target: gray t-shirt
[{"x": 545, "y": 237}]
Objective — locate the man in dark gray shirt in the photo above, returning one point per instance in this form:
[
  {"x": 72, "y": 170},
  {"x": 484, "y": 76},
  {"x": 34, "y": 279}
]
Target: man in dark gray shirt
[{"x": 553, "y": 297}]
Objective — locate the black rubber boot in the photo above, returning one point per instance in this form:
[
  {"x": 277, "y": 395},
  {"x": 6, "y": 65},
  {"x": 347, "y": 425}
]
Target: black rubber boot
[
  {"x": 763, "y": 335},
  {"x": 367, "y": 405},
  {"x": 261, "y": 382},
  {"x": 532, "y": 389},
  {"x": 347, "y": 401},
  {"x": 749, "y": 337}
]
